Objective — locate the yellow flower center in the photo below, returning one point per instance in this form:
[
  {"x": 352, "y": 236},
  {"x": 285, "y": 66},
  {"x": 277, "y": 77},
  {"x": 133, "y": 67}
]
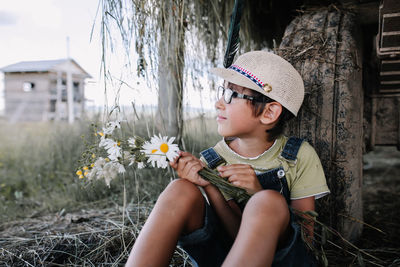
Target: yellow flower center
[
  {"x": 164, "y": 148},
  {"x": 153, "y": 151}
]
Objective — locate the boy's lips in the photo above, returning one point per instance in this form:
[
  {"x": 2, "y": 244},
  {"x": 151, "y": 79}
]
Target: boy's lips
[{"x": 220, "y": 118}]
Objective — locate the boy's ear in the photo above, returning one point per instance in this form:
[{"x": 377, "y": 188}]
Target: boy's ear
[{"x": 271, "y": 113}]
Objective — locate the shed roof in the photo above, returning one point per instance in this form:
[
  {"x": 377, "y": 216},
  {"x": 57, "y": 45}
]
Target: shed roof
[{"x": 39, "y": 66}]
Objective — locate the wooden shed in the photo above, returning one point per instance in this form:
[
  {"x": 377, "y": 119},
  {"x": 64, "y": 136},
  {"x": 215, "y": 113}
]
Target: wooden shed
[{"x": 44, "y": 90}]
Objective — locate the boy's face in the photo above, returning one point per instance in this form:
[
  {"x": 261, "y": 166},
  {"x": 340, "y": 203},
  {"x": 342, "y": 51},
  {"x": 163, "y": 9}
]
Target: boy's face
[{"x": 236, "y": 119}]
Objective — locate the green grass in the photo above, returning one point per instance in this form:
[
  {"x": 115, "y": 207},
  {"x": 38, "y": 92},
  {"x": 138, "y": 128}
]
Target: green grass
[{"x": 38, "y": 163}]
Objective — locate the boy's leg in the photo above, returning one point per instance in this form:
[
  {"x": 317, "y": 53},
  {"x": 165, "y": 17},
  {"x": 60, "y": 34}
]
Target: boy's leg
[
  {"x": 179, "y": 210},
  {"x": 264, "y": 223}
]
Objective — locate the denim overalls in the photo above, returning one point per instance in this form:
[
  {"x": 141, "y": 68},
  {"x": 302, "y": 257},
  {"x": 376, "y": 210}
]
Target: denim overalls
[{"x": 209, "y": 246}]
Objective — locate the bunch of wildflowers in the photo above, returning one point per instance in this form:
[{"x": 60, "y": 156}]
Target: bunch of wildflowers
[{"x": 111, "y": 156}]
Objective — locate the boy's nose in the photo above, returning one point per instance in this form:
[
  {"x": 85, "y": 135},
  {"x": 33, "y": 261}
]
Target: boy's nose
[{"x": 219, "y": 104}]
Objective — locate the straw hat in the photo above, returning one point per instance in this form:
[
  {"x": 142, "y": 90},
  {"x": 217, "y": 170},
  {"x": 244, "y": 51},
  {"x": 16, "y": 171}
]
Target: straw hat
[{"x": 268, "y": 74}]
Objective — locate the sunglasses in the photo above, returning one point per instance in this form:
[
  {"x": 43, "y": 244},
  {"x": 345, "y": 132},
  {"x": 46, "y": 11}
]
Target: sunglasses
[{"x": 228, "y": 94}]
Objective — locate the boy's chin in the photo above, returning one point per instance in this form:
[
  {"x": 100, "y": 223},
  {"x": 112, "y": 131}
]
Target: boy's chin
[
  {"x": 221, "y": 132},
  {"x": 224, "y": 134}
]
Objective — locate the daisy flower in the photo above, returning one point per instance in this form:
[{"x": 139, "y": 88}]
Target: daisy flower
[
  {"x": 140, "y": 165},
  {"x": 111, "y": 126},
  {"x": 114, "y": 124},
  {"x": 129, "y": 158},
  {"x": 105, "y": 170},
  {"x": 159, "y": 149},
  {"x": 111, "y": 170},
  {"x": 131, "y": 142},
  {"x": 112, "y": 147},
  {"x": 96, "y": 169},
  {"x": 136, "y": 142}
]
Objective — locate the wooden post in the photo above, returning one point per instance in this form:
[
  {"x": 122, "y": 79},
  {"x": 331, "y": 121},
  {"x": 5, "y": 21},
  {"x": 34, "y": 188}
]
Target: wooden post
[
  {"x": 70, "y": 94},
  {"x": 70, "y": 89},
  {"x": 58, "y": 96},
  {"x": 322, "y": 45},
  {"x": 82, "y": 92}
]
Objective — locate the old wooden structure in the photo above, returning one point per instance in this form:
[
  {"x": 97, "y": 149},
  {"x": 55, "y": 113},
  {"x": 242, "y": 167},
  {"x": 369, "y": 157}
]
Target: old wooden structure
[
  {"x": 44, "y": 90},
  {"x": 349, "y": 57}
]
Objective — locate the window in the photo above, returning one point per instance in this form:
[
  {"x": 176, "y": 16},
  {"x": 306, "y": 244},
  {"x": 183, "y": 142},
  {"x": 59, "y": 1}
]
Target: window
[
  {"x": 77, "y": 93},
  {"x": 52, "y": 105},
  {"x": 28, "y": 86}
]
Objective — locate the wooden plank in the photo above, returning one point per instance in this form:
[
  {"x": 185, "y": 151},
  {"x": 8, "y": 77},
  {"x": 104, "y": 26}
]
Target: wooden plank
[
  {"x": 331, "y": 117},
  {"x": 349, "y": 131},
  {"x": 391, "y": 22}
]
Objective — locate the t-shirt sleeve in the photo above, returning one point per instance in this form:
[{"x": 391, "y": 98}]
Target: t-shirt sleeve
[{"x": 310, "y": 178}]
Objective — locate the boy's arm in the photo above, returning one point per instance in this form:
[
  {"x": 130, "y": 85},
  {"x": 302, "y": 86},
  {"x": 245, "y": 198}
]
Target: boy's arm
[
  {"x": 306, "y": 204},
  {"x": 228, "y": 211},
  {"x": 187, "y": 167}
]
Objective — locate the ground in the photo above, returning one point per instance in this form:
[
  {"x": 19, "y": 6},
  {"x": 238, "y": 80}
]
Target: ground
[
  {"x": 98, "y": 237},
  {"x": 381, "y": 196}
]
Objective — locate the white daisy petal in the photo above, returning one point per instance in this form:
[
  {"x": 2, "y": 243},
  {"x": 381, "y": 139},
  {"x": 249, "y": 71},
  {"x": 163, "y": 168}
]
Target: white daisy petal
[
  {"x": 140, "y": 165},
  {"x": 131, "y": 142},
  {"x": 159, "y": 149}
]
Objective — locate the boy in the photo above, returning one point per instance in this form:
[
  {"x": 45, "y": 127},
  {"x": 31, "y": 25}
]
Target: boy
[{"x": 261, "y": 91}]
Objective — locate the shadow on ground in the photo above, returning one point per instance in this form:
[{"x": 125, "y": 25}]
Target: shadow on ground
[{"x": 381, "y": 202}]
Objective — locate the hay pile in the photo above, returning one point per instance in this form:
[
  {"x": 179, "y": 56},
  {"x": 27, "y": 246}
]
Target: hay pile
[
  {"x": 104, "y": 237},
  {"x": 85, "y": 238}
]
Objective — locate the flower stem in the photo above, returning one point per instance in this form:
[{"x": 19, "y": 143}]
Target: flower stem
[{"x": 239, "y": 194}]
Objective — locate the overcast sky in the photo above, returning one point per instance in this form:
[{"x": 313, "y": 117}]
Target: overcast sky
[{"x": 38, "y": 29}]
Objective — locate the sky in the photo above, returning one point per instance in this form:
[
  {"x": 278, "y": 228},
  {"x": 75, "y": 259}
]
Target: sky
[{"x": 38, "y": 30}]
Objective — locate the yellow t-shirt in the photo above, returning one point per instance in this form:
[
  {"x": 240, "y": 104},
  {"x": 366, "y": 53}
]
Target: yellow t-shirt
[{"x": 305, "y": 178}]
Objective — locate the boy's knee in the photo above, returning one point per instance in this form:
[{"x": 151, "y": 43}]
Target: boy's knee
[
  {"x": 269, "y": 202},
  {"x": 182, "y": 184},
  {"x": 268, "y": 196},
  {"x": 181, "y": 190}
]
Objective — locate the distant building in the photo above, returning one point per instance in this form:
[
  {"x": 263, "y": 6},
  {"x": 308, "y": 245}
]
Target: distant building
[{"x": 38, "y": 90}]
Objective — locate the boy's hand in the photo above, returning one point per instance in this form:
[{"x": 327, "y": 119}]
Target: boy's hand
[
  {"x": 187, "y": 167},
  {"x": 241, "y": 175}
]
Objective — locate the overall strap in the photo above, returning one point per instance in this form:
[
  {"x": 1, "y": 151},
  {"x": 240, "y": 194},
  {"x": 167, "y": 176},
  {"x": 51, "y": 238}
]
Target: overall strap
[
  {"x": 212, "y": 158},
  {"x": 289, "y": 152},
  {"x": 275, "y": 179}
]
